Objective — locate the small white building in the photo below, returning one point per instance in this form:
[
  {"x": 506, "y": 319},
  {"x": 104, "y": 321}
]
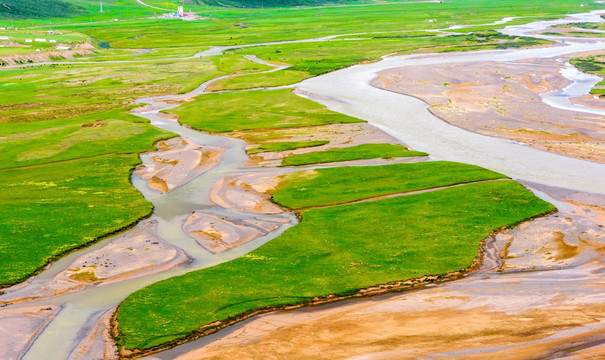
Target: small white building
[
  {"x": 53, "y": 41},
  {"x": 63, "y": 47},
  {"x": 40, "y": 40},
  {"x": 5, "y": 37},
  {"x": 37, "y": 50},
  {"x": 28, "y": 40}
]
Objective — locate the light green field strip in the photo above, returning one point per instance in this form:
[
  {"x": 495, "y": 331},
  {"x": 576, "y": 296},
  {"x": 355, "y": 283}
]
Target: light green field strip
[
  {"x": 283, "y": 146},
  {"x": 224, "y": 112}
]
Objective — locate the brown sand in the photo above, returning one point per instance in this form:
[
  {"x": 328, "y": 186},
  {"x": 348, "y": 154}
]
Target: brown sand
[{"x": 38, "y": 57}]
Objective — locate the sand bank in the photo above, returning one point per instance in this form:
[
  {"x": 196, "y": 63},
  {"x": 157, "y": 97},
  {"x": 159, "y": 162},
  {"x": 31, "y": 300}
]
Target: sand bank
[
  {"x": 218, "y": 234},
  {"x": 338, "y": 135},
  {"x": 248, "y": 192},
  {"x": 178, "y": 161},
  {"x": 138, "y": 253},
  {"x": 501, "y": 99}
]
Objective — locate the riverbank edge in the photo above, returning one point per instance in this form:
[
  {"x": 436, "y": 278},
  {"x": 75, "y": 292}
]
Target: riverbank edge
[
  {"x": 97, "y": 239},
  {"x": 395, "y": 286}
]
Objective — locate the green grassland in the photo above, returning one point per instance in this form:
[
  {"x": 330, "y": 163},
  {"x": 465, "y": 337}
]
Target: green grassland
[
  {"x": 60, "y": 91},
  {"x": 224, "y": 112},
  {"x": 232, "y": 27},
  {"x": 54, "y": 121},
  {"x": 345, "y": 184},
  {"x": 272, "y": 3},
  {"x": 359, "y": 152},
  {"x": 335, "y": 250},
  {"x": 286, "y": 145},
  {"x": 277, "y": 78},
  {"x": 19, "y": 36}
]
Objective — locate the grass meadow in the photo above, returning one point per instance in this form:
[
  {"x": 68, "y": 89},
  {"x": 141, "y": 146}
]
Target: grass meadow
[{"x": 333, "y": 251}]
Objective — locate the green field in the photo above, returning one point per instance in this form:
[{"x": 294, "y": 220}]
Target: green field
[
  {"x": 224, "y": 112},
  {"x": 334, "y": 250},
  {"x": 359, "y": 152}
]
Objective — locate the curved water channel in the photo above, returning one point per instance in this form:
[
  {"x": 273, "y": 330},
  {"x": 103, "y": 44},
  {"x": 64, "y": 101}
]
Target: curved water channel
[
  {"x": 81, "y": 310},
  {"x": 346, "y": 91}
]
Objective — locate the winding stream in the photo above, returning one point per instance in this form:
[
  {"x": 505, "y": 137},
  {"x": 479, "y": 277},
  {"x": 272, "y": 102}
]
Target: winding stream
[
  {"x": 81, "y": 310},
  {"x": 347, "y": 91}
]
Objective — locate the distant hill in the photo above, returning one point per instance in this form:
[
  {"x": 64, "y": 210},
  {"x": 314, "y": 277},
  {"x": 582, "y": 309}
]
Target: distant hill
[
  {"x": 38, "y": 9},
  {"x": 266, "y": 3}
]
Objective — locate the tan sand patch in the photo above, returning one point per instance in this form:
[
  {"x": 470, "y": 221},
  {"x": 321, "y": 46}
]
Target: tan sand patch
[
  {"x": 20, "y": 326},
  {"x": 248, "y": 192},
  {"x": 218, "y": 234},
  {"x": 177, "y": 162}
]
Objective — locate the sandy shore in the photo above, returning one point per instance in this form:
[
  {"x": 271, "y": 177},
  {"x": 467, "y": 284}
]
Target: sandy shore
[
  {"x": 501, "y": 99},
  {"x": 18, "y": 327},
  {"x": 543, "y": 298},
  {"x": 98, "y": 343}
]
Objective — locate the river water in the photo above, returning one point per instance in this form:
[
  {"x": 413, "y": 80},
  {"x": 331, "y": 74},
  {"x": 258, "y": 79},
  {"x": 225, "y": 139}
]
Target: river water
[{"x": 347, "y": 91}]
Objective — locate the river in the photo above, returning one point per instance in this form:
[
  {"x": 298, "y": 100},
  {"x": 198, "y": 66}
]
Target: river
[{"x": 347, "y": 91}]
